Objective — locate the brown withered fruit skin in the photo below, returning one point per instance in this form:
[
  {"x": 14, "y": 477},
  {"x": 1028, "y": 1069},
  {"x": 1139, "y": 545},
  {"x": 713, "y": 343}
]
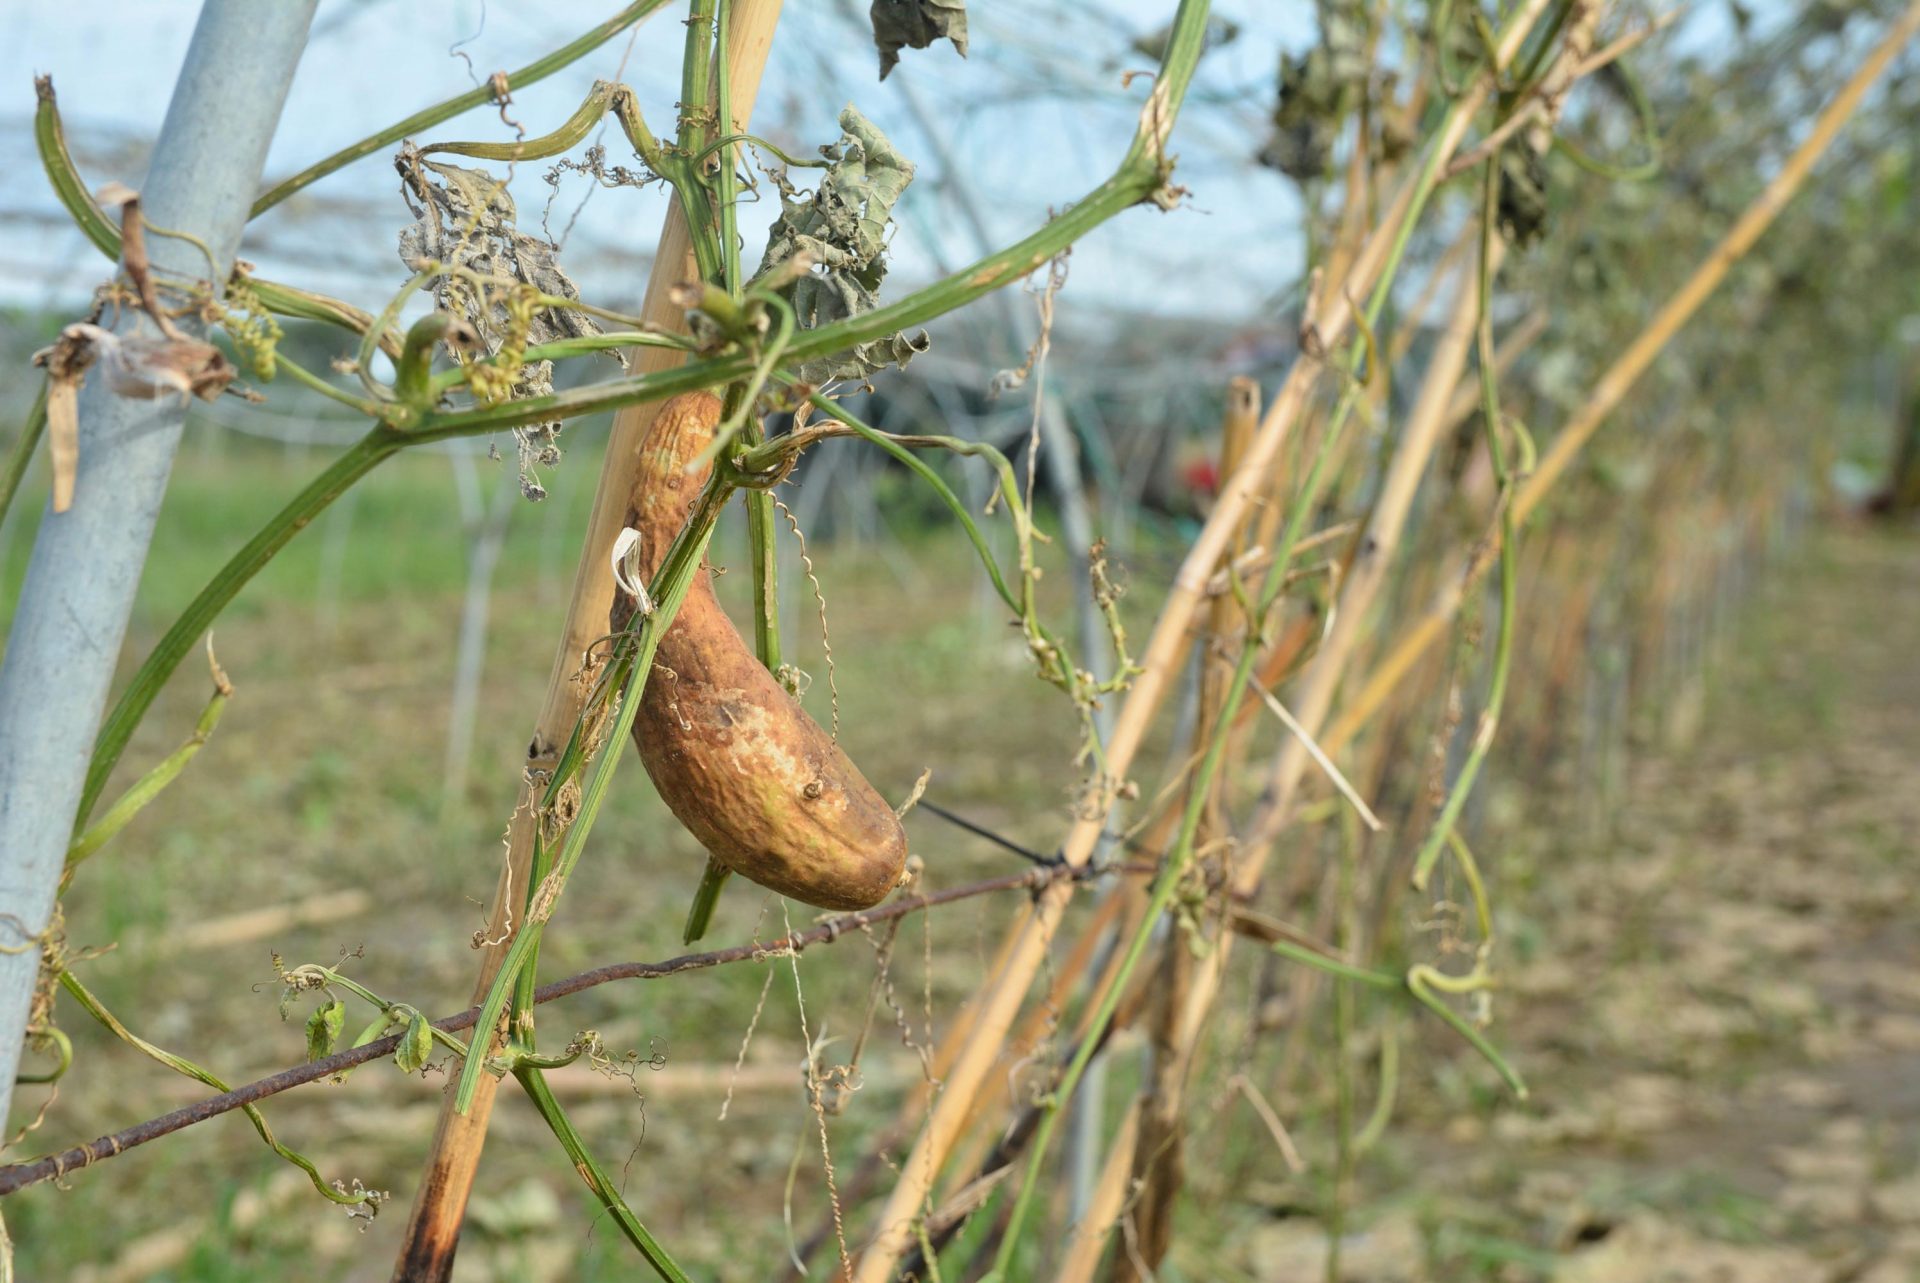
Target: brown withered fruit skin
[{"x": 733, "y": 755}]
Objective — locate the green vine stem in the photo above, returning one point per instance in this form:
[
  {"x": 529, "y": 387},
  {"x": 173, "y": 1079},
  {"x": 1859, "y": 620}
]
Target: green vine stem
[
  {"x": 181, "y": 1065},
  {"x": 785, "y": 157},
  {"x": 50, "y": 136},
  {"x": 1383, "y": 1102},
  {"x": 1509, "y": 559},
  {"x": 725, "y": 176},
  {"x": 64, "y": 176},
  {"x": 311, "y": 976},
  {"x": 598, "y": 1182},
  {"x": 572, "y": 131},
  {"x": 20, "y": 458},
  {"x": 706, "y": 898},
  {"x": 537, "y": 70},
  {"x": 696, "y": 84},
  {"x": 307, "y": 305},
  {"x": 307, "y": 378},
  {"x": 358, "y": 460},
  {"x": 1639, "y": 171},
  {"x": 150, "y": 785},
  {"x": 764, "y": 553},
  {"x": 1420, "y": 983},
  {"x": 56, "y": 1038}
]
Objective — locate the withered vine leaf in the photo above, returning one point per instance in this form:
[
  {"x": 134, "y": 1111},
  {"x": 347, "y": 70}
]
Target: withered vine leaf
[
  {"x": 1523, "y": 196},
  {"x": 1317, "y": 90},
  {"x": 916, "y": 24},
  {"x": 842, "y": 230},
  {"x": 465, "y": 219},
  {"x": 135, "y": 366}
]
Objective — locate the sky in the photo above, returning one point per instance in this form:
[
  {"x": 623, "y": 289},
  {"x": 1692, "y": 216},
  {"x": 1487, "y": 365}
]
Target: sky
[{"x": 1033, "y": 118}]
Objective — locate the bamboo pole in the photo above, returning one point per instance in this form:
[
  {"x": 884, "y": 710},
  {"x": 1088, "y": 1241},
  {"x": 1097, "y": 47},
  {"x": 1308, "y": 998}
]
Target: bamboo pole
[
  {"x": 1109, "y": 1199},
  {"x": 1378, "y": 544},
  {"x": 434, "y": 1228},
  {"x": 1158, "y": 1159},
  {"x": 1364, "y": 578}
]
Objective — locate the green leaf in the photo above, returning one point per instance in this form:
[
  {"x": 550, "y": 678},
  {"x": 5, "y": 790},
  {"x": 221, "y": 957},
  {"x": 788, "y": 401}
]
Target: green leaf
[
  {"x": 376, "y": 1029},
  {"x": 916, "y": 24},
  {"x": 842, "y": 229},
  {"x": 323, "y": 1028},
  {"x": 415, "y": 1045},
  {"x": 155, "y": 781}
]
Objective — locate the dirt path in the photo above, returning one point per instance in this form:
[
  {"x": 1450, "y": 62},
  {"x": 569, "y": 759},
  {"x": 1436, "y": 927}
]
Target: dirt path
[{"x": 1720, "y": 1013}]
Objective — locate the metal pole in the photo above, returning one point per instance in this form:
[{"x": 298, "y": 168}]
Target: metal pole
[{"x": 73, "y": 608}]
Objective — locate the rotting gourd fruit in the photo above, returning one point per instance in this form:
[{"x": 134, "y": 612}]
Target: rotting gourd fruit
[{"x": 732, "y": 753}]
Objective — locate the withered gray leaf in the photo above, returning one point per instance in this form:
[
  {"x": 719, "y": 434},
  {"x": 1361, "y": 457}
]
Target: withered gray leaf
[
  {"x": 1523, "y": 196},
  {"x": 916, "y": 24},
  {"x": 465, "y": 217},
  {"x": 1317, "y": 90},
  {"x": 842, "y": 228}
]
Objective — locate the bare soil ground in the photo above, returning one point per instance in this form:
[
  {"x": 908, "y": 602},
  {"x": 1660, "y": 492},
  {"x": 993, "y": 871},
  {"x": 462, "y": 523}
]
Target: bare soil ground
[{"x": 1718, "y": 1010}]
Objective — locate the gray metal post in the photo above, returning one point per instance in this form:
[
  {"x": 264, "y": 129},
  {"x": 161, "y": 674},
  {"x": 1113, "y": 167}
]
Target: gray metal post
[{"x": 72, "y": 612}]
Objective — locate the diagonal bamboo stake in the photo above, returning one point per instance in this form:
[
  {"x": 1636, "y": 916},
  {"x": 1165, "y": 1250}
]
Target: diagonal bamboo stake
[
  {"x": 1089, "y": 1237},
  {"x": 1158, "y": 1158},
  {"x": 1426, "y": 424},
  {"x": 1619, "y": 378},
  {"x": 1424, "y": 430},
  {"x": 434, "y": 1228},
  {"x": 1000, "y": 997}
]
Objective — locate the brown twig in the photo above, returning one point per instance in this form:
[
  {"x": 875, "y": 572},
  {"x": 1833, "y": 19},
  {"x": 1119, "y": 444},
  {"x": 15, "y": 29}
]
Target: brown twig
[{"x": 133, "y": 257}]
